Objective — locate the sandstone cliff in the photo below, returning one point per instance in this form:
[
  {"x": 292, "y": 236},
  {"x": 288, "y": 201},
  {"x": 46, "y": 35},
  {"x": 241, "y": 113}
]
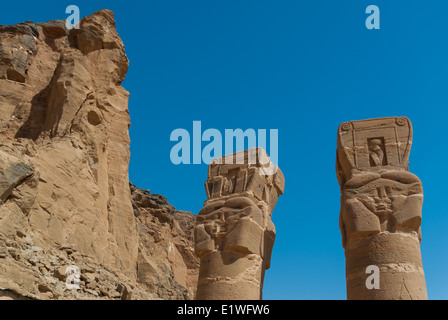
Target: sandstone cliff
[{"x": 65, "y": 197}]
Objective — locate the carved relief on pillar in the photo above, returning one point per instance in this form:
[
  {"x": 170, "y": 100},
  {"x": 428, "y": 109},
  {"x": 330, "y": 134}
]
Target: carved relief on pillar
[
  {"x": 235, "y": 223},
  {"x": 378, "y": 192},
  {"x": 237, "y": 214},
  {"x": 375, "y": 203},
  {"x": 381, "y": 210}
]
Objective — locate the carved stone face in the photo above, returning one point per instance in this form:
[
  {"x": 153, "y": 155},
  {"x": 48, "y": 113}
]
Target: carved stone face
[
  {"x": 234, "y": 224},
  {"x": 383, "y": 196},
  {"x": 373, "y": 202},
  {"x": 220, "y": 222}
]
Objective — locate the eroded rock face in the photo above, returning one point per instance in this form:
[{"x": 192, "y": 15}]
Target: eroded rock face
[
  {"x": 234, "y": 235},
  {"x": 166, "y": 263},
  {"x": 80, "y": 165},
  {"x": 381, "y": 209},
  {"x": 64, "y": 158}
]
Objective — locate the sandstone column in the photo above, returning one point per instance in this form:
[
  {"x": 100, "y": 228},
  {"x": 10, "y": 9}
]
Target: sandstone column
[
  {"x": 381, "y": 209},
  {"x": 234, "y": 234}
]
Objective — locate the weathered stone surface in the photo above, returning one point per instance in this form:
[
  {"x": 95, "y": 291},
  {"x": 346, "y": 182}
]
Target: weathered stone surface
[
  {"x": 55, "y": 28},
  {"x": 17, "y": 48},
  {"x": 234, "y": 235},
  {"x": 96, "y": 33},
  {"x": 83, "y": 186},
  {"x": 166, "y": 262},
  {"x": 65, "y": 197},
  {"x": 12, "y": 173},
  {"x": 381, "y": 208}
]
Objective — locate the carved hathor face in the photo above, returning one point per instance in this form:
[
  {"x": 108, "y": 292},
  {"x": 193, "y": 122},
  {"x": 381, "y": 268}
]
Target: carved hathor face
[
  {"x": 383, "y": 194},
  {"x": 233, "y": 224},
  {"x": 221, "y": 217}
]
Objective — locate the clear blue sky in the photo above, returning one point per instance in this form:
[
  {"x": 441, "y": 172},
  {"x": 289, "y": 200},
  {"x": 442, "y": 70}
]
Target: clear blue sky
[{"x": 301, "y": 67}]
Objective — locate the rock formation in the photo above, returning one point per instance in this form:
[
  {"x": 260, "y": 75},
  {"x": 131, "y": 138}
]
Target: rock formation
[
  {"x": 65, "y": 197},
  {"x": 381, "y": 209},
  {"x": 234, "y": 234},
  {"x": 166, "y": 263}
]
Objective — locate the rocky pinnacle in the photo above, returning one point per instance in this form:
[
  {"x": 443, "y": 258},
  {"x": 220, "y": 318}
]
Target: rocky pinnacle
[{"x": 67, "y": 210}]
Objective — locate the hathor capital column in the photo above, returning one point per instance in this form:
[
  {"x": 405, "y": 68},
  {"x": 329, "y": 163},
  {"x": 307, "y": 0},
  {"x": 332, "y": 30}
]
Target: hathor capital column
[
  {"x": 234, "y": 234},
  {"x": 381, "y": 210}
]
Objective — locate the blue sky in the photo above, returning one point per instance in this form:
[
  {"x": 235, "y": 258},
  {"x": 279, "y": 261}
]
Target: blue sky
[{"x": 302, "y": 67}]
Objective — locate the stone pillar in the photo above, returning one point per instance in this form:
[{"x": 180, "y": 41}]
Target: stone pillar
[
  {"x": 381, "y": 210},
  {"x": 234, "y": 234}
]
